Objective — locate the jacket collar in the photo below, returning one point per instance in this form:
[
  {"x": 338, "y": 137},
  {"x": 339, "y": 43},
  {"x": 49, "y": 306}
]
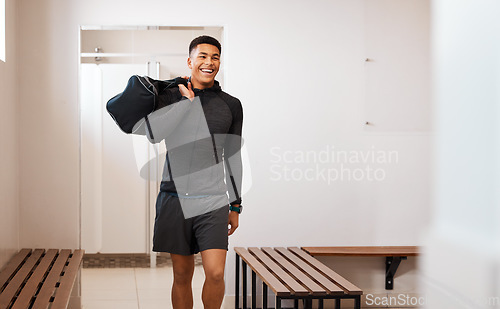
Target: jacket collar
[{"x": 215, "y": 88}]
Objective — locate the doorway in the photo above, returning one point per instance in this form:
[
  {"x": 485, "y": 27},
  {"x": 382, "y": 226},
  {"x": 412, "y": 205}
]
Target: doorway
[{"x": 117, "y": 205}]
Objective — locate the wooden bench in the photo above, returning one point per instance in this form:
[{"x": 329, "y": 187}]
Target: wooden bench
[
  {"x": 38, "y": 278},
  {"x": 291, "y": 273},
  {"x": 393, "y": 256}
]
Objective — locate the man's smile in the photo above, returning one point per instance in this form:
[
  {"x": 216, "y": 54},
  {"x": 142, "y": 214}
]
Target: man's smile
[{"x": 207, "y": 71}]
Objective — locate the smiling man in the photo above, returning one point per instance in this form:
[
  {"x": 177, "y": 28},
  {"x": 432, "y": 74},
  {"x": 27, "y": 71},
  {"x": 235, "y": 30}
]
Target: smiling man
[
  {"x": 204, "y": 62},
  {"x": 212, "y": 184}
]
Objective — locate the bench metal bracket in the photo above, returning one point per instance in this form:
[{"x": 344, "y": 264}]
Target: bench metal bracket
[{"x": 391, "y": 266}]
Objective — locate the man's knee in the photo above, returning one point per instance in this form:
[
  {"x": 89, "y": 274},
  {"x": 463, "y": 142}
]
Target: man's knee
[
  {"x": 184, "y": 273},
  {"x": 183, "y": 276},
  {"x": 215, "y": 275},
  {"x": 214, "y": 261}
]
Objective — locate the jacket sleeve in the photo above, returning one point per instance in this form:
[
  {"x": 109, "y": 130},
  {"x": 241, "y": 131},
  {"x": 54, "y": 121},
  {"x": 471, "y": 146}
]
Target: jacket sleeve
[{"x": 232, "y": 155}]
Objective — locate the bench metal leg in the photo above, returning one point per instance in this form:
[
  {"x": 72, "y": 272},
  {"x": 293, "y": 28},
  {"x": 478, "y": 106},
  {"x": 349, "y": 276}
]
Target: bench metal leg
[
  {"x": 295, "y": 304},
  {"x": 357, "y": 302},
  {"x": 254, "y": 290},
  {"x": 337, "y": 303},
  {"x": 244, "y": 268},
  {"x": 278, "y": 302},
  {"x": 307, "y": 302},
  {"x": 237, "y": 284},
  {"x": 320, "y": 303},
  {"x": 264, "y": 295}
]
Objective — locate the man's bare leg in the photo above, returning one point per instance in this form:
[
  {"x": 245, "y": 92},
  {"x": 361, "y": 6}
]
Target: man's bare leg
[
  {"x": 182, "y": 292},
  {"x": 214, "y": 261}
]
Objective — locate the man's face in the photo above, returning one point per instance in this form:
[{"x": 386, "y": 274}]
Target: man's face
[{"x": 204, "y": 63}]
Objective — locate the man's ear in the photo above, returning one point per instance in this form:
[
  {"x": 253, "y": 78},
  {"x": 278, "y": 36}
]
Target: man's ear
[{"x": 189, "y": 63}]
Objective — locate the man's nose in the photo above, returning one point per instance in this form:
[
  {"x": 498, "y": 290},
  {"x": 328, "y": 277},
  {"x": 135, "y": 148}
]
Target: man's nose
[{"x": 208, "y": 60}]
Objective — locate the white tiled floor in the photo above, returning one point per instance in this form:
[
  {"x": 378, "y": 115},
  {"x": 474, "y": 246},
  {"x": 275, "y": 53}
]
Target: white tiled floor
[{"x": 136, "y": 288}]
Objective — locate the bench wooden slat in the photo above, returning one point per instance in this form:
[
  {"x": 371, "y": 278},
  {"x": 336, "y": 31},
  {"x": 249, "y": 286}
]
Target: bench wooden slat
[
  {"x": 296, "y": 288},
  {"x": 331, "y": 287},
  {"x": 67, "y": 281},
  {"x": 272, "y": 282},
  {"x": 338, "y": 279},
  {"x": 363, "y": 251},
  {"x": 15, "y": 284},
  {"x": 25, "y": 297},
  {"x": 291, "y": 269},
  {"x": 12, "y": 266},
  {"x": 49, "y": 286}
]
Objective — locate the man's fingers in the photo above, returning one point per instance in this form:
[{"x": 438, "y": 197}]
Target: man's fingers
[
  {"x": 182, "y": 89},
  {"x": 233, "y": 227},
  {"x": 231, "y": 230},
  {"x": 185, "y": 93}
]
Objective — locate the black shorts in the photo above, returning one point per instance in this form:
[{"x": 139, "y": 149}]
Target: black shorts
[{"x": 175, "y": 234}]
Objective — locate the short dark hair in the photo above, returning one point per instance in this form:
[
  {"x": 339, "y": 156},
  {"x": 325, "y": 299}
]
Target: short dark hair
[{"x": 204, "y": 39}]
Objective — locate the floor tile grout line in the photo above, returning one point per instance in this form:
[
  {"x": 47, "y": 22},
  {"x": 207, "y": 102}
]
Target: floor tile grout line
[{"x": 137, "y": 289}]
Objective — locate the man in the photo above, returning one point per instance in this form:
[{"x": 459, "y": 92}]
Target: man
[{"x": 182, "y": 186}]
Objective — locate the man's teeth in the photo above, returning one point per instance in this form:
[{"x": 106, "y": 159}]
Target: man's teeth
[{"x": 207, "y": 71}]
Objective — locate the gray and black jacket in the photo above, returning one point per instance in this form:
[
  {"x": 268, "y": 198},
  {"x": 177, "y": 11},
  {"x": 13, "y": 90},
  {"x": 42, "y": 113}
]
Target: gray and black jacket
[{"x": 203, "y": 141}]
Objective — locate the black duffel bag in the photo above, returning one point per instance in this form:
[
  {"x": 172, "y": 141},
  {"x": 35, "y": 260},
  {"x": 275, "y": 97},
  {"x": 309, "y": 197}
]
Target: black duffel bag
[{"x": 139, "y": 99}]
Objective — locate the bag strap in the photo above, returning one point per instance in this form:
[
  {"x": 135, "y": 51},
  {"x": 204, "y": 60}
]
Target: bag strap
[{"x": 149, "y": 128}]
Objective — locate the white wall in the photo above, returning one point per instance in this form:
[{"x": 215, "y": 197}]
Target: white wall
[
  {"x": 9, "y": 238},
  {"x": 299, "y": 69}
]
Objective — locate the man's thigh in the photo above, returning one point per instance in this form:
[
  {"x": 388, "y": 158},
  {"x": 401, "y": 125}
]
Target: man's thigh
[
  {"x": 183, "y": 266},
  {"x": 214, "y": 261}
]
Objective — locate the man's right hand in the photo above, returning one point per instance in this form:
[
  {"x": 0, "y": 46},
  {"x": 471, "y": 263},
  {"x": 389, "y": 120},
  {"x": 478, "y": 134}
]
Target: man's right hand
[{"x": 187, "y": 92}]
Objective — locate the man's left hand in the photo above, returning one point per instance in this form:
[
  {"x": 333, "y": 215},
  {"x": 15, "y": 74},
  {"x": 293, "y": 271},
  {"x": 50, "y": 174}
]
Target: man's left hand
[{"x": 233, "y": 222}]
